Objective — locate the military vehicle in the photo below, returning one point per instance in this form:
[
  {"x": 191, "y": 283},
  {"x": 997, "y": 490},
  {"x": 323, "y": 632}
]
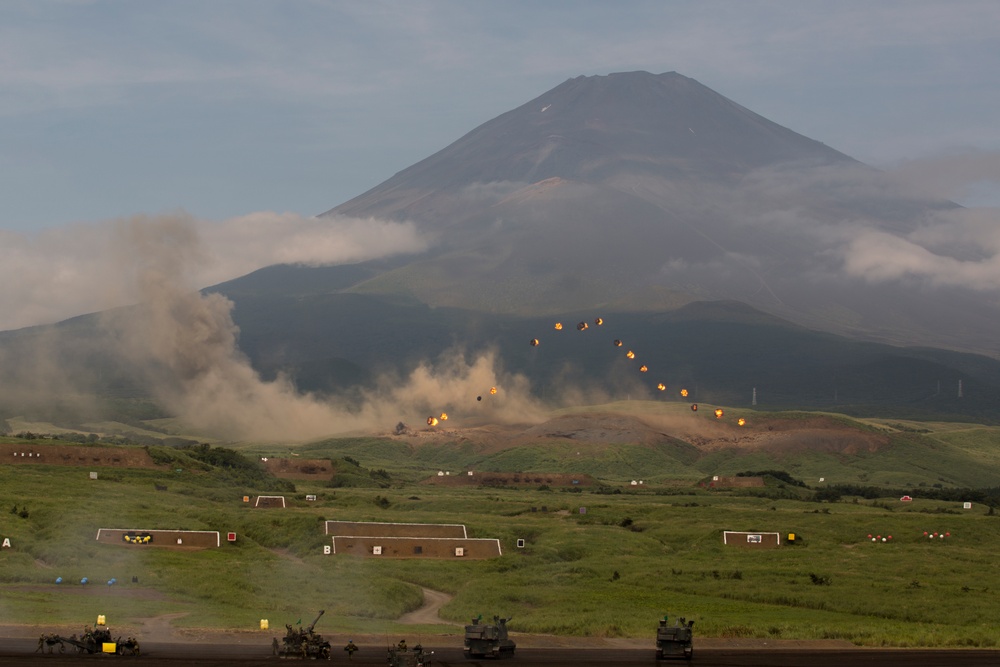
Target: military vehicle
[
  {"x": 488, "y": 639},
  {"x": 302, "y": 643},
  {"x": 674, "y": 641},
  {"x": 402, "y": 656},
  {"x": 98, "y": 640}
]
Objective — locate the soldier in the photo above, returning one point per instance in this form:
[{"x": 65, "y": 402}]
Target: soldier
[
  {"x": 401, "y": 645},
  {"x": 41, "y": 643},
  {"x": 350, "y": 648}
]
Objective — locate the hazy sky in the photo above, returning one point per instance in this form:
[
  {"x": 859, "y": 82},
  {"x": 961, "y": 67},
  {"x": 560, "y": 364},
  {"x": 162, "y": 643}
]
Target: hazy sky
[
  {"x": 243, "y": 119},
  {"x": 230, "y": 107}
]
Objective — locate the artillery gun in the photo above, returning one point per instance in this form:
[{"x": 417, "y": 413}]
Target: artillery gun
[
  {"x": 302, "y": 643},
  {"x": 401, "y": 656},
  {"x": 98, "y": 640},
  {"x": 485, "y": 639},
  {"x": 674, "y": 641}
]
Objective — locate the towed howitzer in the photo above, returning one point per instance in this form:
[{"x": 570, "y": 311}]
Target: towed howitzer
[
  {"x": 99, "y": 640},
  {"x": 302, "y": 643},
  {"x": 674, "y": 641},
  {"x": 485, "y": 639}
]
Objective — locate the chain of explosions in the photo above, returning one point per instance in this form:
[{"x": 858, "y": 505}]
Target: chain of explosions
[
  {"x": 183, "y": 344},
  {"x": 629, "y": 354}
]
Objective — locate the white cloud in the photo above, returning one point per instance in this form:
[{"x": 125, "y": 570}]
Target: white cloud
[
  {"x": 961, "y": 249},
  {"x": 85, "y": 268}
]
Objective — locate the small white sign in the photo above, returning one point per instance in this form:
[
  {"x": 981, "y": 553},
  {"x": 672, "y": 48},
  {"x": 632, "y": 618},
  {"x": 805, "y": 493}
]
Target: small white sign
[
  {"x": 967, "y": 506},
  {"x": 377, "y": 551},
  {"x": 326, "y": 550},
  {"x": 6, "y": 543}
]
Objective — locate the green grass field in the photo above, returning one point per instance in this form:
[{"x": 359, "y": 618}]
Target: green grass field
[{"x": 612, "y": 571}]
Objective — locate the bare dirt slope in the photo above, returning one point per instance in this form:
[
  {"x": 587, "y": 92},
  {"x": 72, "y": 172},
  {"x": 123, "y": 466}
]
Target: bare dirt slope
[{"x": 705, "y": 432}]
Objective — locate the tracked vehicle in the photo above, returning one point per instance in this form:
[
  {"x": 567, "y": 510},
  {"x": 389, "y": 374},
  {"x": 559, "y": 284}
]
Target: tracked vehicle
[
  {"x": 488, "y": 639},
  {"x": 302, "y": 643},
  {"x": 674, "y": 641},
  {"x": 401, "y": 656}
]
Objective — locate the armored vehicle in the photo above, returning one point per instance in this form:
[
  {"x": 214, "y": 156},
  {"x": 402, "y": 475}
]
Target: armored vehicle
[
  {"x": 674, "y": 641},
  {"x": 401, "y": 656},
  {"x": 302, "y": 643},
  {"x": 488, "y": 639}
]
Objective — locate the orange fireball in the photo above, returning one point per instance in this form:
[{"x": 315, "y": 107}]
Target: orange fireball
[
  {"x": 599, "y": 321},
  {"x": 643, "y": 368},
  {"x": 630, "y": 354},
  {"x": 718, "y": 413},
  {"x": 493, "y": 390},
  {"x": 534, "y": 342},
  {"x": 741, "y": 421},
  {"x": 558, "y": 326},
  {"x": 618, "y": 343},
  {"x": 661, "y": 386},
  {"x": 432, "y": 421},
  {"x": 684, "y": 392}
]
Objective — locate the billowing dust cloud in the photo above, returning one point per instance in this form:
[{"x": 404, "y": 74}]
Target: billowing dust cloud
[{"x": 184, "y": 344}]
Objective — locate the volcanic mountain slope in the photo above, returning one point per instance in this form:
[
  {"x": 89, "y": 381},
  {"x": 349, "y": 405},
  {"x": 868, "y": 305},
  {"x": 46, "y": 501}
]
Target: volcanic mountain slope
[
  {"x": 640, "y": 198},
  {"x": 723, "y": 247},
  {"x": 642, "y": 192}
]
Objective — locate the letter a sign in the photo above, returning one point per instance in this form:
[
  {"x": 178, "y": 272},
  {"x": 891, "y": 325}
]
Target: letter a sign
[{"x": 6, "y": 543}]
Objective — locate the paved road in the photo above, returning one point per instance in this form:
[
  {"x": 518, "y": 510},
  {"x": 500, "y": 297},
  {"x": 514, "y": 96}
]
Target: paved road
[{"x": 21, "y": 652}]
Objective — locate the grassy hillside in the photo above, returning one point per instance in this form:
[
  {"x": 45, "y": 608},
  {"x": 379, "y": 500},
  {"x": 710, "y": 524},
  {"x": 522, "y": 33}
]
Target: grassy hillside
[{"x": 612, "y": 570}]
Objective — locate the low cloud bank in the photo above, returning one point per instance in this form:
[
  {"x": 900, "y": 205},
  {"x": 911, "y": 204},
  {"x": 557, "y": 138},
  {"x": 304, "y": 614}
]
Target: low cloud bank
[{"x": 86, "y": 268}]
